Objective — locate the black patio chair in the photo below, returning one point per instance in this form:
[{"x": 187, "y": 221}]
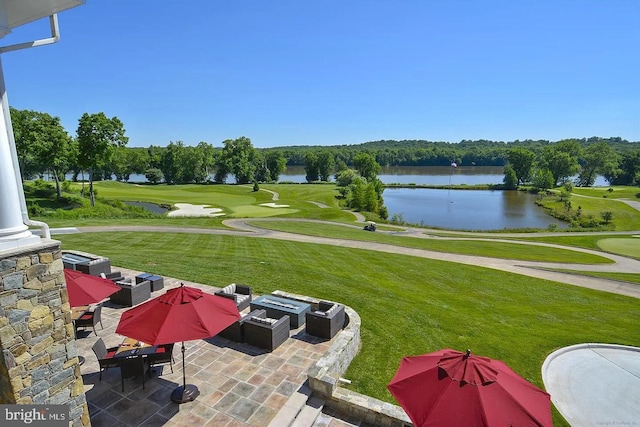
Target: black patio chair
[
  {"x": 91, "y": 319},
  {"x": 105, "y": 356},
  {"x": 163, "y": 354},
  {"x": 133, "y": 367}
]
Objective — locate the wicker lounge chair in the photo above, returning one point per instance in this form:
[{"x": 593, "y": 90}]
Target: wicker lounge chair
[
  {"x": 235, "y": 332},
  {"x": 241, "y": 294},
  {"x": 263, "y": 332},
  {"x": 327, "y": 321}
]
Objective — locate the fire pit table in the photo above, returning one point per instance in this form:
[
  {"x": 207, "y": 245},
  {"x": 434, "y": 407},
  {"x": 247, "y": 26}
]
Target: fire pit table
[{"x": 277, "y": 308}]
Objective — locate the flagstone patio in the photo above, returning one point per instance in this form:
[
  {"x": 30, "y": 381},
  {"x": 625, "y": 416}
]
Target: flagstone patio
[{"x": 240, "y": 385}]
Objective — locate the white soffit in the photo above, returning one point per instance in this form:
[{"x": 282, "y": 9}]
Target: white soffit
[{"x": 14, "y": 13}]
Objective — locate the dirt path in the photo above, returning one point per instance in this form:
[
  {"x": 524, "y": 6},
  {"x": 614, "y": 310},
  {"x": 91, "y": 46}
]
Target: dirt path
[{"x": 240, "y": 227}]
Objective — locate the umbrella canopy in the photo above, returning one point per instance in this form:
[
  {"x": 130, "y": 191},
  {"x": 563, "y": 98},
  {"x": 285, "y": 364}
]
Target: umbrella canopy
[
  {"x": 84, "y": 289},
  {"x": 181, "y": 314},
  {"x": 449, "y": 387}
]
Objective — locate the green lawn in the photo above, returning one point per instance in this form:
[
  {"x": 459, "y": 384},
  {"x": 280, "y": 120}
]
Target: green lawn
[
  {"x": 408, "y": 305},
  {"x": 465, "y": 247},
  {"x": 623, "y": 277},
  {"x": 625, "y": 218},
  {"x": 619, "y": 192},
  {"x": 237, "y": 201},
  {"x": 592, "y": 242}
]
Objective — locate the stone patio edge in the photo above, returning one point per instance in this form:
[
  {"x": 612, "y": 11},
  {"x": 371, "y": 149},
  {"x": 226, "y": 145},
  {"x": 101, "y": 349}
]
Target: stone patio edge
[{"x": 325, "y": 376}]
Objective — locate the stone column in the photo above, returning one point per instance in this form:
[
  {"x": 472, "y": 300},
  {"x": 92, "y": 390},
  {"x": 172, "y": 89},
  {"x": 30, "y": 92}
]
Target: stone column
[{"x": 38, "y": 359}]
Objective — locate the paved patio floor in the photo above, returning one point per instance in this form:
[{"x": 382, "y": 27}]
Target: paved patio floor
[{"x": 240, "y": 385}]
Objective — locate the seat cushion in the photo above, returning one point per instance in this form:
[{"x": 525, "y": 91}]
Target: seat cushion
[{"x": 230, "y": 289}]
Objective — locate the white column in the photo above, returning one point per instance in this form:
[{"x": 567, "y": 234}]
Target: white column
[{"x": 13, "y": 232}]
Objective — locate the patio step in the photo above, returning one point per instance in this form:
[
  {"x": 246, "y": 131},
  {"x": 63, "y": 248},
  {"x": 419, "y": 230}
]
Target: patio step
[
  {"x": 300, "y": 410},
  {"x": 309, "y": 413}
]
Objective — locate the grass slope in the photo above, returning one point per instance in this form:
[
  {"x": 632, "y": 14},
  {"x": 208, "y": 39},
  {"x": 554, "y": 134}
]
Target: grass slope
[
  {"x": 466, "y": 247},
  {"x": 407, "y": 305}
]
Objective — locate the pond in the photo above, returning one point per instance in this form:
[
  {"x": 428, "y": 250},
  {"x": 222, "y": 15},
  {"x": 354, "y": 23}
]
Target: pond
[{"x": 467, "y": 209}]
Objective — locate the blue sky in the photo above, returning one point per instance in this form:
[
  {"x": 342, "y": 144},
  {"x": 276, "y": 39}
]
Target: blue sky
[{"x": 328, "y": 72}]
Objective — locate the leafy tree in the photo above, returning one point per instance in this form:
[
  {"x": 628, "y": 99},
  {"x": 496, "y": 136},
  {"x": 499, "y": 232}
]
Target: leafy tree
[
  {"x": 370, "y": 198},
  {"x": 345, "y": 177},
  {"x": 121, "y": 164},
  {"x": 628, "y": 170},
  {"x": 521, "y": 161},
  {"x": 262, "y": 173},
  {"x": 139, "y": 160},
  {"x": 238, "y": 157},
  {"x": 340, "y": 166},
  {"x": 543, "y": 179},
  {"x": 326, "y": 163},
  {"x": 597, "y": 159},
  {"x": 153, "y": 175},
  {"x": 356, "y": 197},
  {"x": 510, "y": 178},
  {"x": 607, "y": 216},
  {"x": 98, "y": 136},
  {"x": 208, "y": 154},
  {"x": 276, "y": 164},
  {"x": 171, "y": 163},
  {"x": 311, "y": 167},
  {"x": 566, "y": 190},
  {"x": 367, "y": 166},
  {"x": 561, "y": 161},
  {"x": 155, "y": 155},
  {"x": 26, "y": 140},
  {"x": 42, "y": 144}
]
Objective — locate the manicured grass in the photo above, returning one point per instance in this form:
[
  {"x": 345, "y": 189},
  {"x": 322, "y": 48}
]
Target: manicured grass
[
  {"x": 407, "y": 305},
  {"x": 466, "y": 247},
  {"x": 623, "y": 277},
  {"x": 625, "y": 218},
  {"x": 621, "y": 246},
  {"x": 158, "y": 221},
  {"x": 588, "y": 241},
  {"x": 619, "y": 192},
  {"x": 237, "y": 201}
]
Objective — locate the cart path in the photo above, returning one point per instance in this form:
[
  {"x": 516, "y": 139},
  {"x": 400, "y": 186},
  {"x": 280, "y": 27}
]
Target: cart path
[{"x": 527, "y": 268}]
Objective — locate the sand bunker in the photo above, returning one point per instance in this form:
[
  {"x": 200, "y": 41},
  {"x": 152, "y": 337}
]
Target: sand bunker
[
  {"x": 273, "y": 205},
  {"x": 187, "y": 209}
]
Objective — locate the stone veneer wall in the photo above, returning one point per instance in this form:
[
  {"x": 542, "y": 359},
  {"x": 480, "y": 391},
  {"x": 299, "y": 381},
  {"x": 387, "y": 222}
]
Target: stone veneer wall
[
  {"x": 324, "y": 377},
  {"x": 39, "y": 362}
]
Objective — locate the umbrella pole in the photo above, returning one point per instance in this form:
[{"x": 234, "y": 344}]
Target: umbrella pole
[{"x": 186, "y": 392}]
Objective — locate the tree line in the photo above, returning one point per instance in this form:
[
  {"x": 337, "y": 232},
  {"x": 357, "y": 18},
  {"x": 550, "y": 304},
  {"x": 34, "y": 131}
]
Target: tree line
[{"x": 100, "y": 150}]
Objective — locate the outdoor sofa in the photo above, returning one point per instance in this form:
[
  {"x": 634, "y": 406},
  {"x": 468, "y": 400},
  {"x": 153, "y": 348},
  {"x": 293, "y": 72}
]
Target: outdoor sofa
[
  {"x": 326, "y": 321},
  {"x": 131, "y": 294},
  {"x": 95, "y": 267},
  {"x": 235, "y": 332},
  {"x": 240, "y": 294},
  {"x": 264, "y": 332}
]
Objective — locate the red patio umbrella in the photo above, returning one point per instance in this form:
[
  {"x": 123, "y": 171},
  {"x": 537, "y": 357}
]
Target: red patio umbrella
[
  {"x": 181, "y": 314},
  {"x": 84, "y": 289},
  {"x": 451, "y": 388}
]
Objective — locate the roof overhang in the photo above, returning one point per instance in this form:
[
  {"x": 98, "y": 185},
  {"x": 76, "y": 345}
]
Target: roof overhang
[{"x": 14, "y": 13}]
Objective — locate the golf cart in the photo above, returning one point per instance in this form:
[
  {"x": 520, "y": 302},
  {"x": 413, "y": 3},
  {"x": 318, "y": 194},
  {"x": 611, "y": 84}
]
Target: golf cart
[{"x": 370, "y": 226}]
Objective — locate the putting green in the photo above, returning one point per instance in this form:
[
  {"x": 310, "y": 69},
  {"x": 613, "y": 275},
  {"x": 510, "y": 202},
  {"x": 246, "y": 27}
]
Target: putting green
[{"x": 621, "y": 246}]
